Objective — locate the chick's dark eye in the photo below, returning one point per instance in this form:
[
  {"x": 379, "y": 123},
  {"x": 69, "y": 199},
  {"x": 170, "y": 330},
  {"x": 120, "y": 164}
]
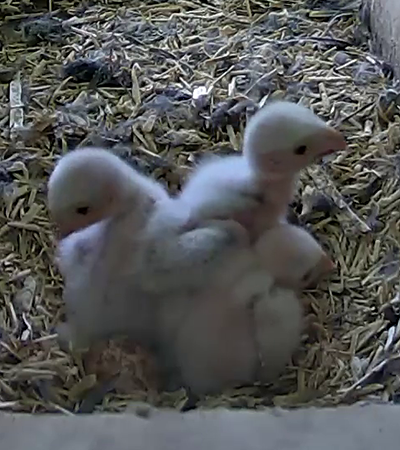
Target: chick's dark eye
[
  {"x": 83, "y": 210},
  {"x": 300, "y": 150},
  {"x": 306, "y": 278}
]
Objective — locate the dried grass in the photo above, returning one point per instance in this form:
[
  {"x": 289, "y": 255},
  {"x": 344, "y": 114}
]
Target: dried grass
[{"x": 163, "y": 84}]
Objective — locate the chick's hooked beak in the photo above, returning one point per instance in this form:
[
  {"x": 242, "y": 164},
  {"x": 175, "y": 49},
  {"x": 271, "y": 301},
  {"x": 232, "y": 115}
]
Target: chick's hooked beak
[
  {"x": 326, "y": 264},
  {"x": 65, "y": 230},
  {"x": 330, "y": 141},
  {"x": 70, "y": 226}
]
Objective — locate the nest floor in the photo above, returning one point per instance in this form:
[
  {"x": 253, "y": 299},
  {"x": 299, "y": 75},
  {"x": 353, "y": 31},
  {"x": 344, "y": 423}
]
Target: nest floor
[{"x": 163, "y": 84}]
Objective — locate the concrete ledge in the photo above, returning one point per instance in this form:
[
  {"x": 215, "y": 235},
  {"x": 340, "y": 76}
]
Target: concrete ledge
[
  {"x": 382, "y": 17},
  {"x": 347, "y": 428}
]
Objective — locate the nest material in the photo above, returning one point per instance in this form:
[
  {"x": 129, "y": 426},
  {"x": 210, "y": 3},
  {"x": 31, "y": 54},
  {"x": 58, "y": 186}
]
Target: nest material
[{"x": 163, "y": 84}]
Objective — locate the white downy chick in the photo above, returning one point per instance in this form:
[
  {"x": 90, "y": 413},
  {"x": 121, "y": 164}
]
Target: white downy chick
[
  {"x": 248, "y": 329},
  {"x": 101, "y": 206},
  {"x": 279, "y": 141},
  {"x": 115, "y": 254},
  {"x": 235, "y": 187},
  {"x": 255, "y": 188},
  {"x": 296, "y": 261}
]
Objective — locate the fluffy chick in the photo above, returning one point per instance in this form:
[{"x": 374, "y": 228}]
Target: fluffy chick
[
  {"x": 113, "y": 251},
  {"x": 255, "y": 188},
  {"x": 248, "y": 328}
]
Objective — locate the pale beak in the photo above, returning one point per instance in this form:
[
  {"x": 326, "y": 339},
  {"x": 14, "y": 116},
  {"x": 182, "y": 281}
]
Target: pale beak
[
  {"x": 67, "y": 229},
  {"x": 330, "y": 141},
  {"x": 62, "y": 235},
  {"x": 326, "y": 264}
]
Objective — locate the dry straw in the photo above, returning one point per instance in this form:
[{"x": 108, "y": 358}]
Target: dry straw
[{"x": 164, "y": 83}]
